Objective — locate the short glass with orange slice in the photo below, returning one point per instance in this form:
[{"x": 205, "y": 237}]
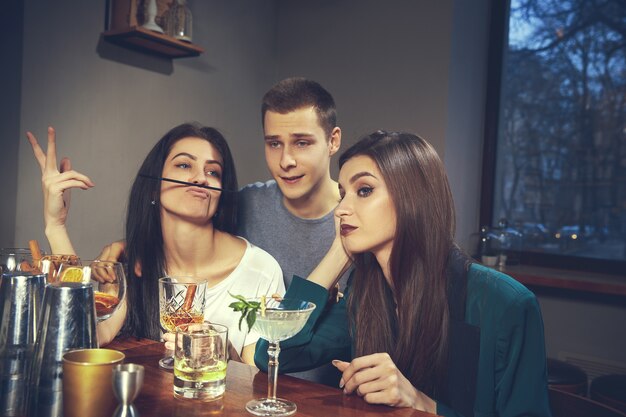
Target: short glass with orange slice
[{"x": 108, "y": 280}]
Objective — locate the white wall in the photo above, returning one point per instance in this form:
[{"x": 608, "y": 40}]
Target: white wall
[{"x": 110, "y": 105}]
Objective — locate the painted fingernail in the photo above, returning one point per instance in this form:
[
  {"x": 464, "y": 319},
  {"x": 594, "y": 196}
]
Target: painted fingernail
[
  {"x": 334, "y": 362},
  {"x": 341, "y": 383}
]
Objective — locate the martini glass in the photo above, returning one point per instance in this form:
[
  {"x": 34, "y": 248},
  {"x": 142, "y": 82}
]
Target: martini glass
[{"x": 281, "y": 320}]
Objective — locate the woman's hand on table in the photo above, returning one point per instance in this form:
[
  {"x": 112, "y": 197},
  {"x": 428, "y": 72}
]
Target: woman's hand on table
[{"x": 378, "y": 380}]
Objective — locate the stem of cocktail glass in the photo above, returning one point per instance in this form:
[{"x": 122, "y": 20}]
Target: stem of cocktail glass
[{"x": 272, "y": 370}]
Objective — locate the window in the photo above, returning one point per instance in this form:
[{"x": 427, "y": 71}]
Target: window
[{"x": 555, "y": 145}]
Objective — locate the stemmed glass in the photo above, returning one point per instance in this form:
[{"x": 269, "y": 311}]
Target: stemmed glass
[
  {"x": 280, "y": 320},
  {"x": 108, "y": 279},
  {"x": 181, "y": 301}
]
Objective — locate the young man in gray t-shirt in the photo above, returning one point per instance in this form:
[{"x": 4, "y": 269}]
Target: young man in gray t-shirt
[{"x": 291, "y": 216}]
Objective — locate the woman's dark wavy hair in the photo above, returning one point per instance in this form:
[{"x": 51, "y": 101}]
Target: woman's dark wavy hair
[
  {"x": 144, "y": 238},
  {"x": 416, "y": 339}
]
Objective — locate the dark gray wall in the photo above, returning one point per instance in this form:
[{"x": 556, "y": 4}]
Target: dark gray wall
[
  {"x": 466, "y": 104},
  {"x": 10, "y": 97},
  {"x": 386, "y": 63}
]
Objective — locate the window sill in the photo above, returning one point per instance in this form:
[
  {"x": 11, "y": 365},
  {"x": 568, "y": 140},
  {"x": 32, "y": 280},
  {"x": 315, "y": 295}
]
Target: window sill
[{"x": 588, "y": 282}]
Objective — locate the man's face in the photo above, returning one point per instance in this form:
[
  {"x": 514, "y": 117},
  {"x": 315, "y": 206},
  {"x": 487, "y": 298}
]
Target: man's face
[{"x": 298, "y": 152}]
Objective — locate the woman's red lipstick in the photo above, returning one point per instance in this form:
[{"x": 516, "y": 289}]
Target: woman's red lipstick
[{"x": 345, "y": 229}]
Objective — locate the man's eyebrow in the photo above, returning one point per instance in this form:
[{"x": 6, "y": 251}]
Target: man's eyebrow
[
  {"x": 298, "y": 135},
  {"x": 302, "y": 135}
]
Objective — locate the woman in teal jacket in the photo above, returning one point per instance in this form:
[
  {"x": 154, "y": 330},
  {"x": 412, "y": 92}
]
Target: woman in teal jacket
[{"x": 420, "y": 325}]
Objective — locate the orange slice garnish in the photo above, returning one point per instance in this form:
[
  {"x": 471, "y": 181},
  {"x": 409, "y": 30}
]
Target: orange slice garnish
[
  {"x": 72, "y": 274},
  {"x": 105, "y": 300}
]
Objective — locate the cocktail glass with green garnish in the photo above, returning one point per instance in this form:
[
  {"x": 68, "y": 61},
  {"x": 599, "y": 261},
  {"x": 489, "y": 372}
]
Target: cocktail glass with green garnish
[{"x": 278, "y": 321}]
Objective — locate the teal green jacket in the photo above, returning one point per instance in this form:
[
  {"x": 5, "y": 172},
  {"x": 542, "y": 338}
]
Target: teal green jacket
[{"x": 507, "y": 363}]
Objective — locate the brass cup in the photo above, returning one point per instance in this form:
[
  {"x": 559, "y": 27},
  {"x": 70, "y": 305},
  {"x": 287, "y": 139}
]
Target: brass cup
[{"x": 87, "y": 382}]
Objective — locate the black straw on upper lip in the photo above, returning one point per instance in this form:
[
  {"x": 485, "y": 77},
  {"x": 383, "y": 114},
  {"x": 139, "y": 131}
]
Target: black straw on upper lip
[{"x": 191, "y": 184}]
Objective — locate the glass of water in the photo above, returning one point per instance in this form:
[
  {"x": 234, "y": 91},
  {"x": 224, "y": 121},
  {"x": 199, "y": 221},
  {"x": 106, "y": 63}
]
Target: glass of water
[{"x": 200, "y": 358}]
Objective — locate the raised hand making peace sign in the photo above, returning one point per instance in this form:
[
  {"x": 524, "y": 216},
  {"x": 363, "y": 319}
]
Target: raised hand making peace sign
[{"x": 56, "y": 183}]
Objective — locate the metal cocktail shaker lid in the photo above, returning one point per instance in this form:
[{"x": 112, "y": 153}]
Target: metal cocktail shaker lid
[
  {"x": 21, "y": 294},
  {"x": 68, "y": 321}
]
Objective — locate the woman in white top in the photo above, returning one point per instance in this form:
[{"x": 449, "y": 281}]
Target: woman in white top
[{"x": 172, "y": 229}]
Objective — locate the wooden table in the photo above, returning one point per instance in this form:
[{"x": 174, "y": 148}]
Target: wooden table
[{"x": 243, "y": 383}]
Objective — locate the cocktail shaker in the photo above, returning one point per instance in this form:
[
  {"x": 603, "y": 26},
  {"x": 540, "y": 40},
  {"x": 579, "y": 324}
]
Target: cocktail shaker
[
  {"x": 68, "y": 321},
  {"x": 21, "y": 295}
]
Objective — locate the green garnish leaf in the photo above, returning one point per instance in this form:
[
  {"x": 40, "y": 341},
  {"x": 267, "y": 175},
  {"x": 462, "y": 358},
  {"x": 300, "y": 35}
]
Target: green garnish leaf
[
  {"x": 247, "y": 308},
  {"x": 238, "y": 297},
  {"x": 237, "y": 305},
  {"x": 241, "y": 319},
  {"x": 250, "y": 319}
]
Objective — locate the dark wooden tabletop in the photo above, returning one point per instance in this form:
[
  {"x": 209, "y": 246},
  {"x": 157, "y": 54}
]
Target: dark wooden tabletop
[{"x": 243, "y": 383}]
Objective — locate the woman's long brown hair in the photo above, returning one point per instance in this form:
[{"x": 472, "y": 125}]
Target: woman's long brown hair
[{"x": 415, "y": 338}]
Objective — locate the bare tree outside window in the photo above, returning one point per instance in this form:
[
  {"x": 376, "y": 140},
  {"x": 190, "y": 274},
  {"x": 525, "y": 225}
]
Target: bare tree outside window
[{"x": 561, "y": 147}]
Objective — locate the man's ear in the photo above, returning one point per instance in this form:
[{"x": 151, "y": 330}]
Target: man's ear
[{"x": 334, "y": 143}]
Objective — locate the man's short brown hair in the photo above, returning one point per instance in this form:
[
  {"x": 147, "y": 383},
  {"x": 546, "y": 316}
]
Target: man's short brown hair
[{"x": 296, "y": 93}]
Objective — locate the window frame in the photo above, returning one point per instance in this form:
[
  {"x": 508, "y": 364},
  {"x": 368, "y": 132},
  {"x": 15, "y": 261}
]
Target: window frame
[{"x": 498, "y": 42}]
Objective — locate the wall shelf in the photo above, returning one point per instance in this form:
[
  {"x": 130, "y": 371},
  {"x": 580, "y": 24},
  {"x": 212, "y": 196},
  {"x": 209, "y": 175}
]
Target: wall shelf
[{"x": 142, "y": 39}]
